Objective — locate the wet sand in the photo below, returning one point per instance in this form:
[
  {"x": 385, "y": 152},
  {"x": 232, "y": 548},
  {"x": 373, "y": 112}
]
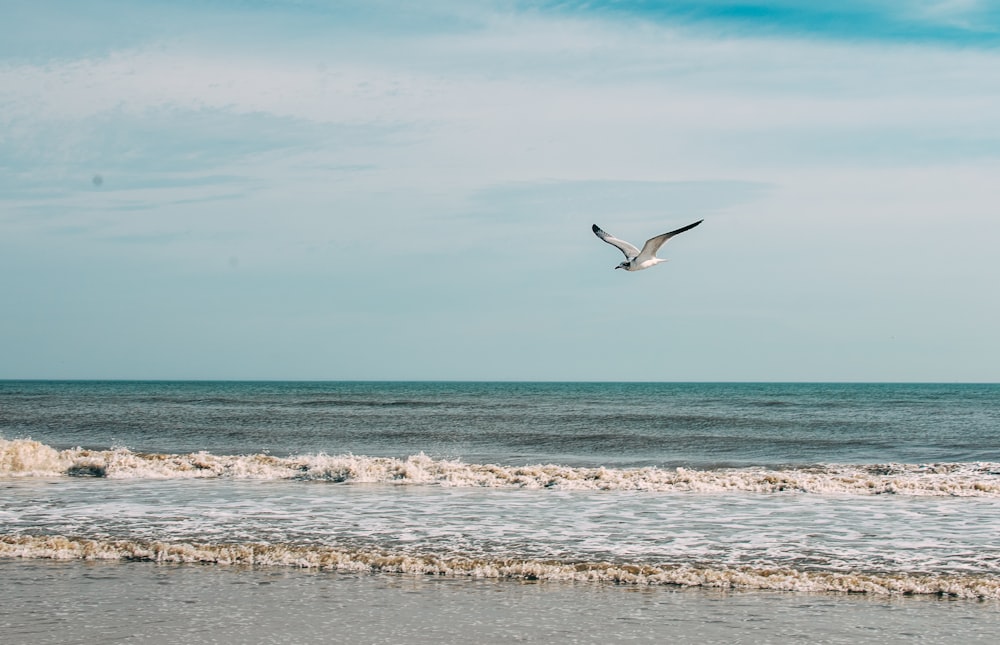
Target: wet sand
[{"x": 44, "y": 601}]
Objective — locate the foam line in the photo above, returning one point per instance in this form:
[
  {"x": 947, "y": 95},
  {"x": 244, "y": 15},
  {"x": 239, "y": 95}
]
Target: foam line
[
  {"x": 346, "y": 560},
  {"x": 28, "y": 458}
]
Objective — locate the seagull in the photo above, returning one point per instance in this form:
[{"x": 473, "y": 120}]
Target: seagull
[{"x": 636, "y": 260}]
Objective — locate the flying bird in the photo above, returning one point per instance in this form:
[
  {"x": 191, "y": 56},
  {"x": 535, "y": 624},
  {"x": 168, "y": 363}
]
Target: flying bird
[{"x": 636, "y": 260}]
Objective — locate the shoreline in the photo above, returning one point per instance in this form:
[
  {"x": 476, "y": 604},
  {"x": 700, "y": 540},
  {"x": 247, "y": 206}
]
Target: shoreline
[{"x": 48, "y": 601}]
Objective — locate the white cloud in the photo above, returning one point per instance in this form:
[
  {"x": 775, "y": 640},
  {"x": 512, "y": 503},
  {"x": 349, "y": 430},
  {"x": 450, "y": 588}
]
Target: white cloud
[{"x": 962, "y": 14}]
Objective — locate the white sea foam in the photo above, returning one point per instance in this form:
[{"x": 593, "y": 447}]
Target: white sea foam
[
  {"x": 28, "y": 458},
  {"x": 338, "y": 559}
]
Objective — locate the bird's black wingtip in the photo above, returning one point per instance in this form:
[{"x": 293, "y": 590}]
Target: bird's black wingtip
[
  {"x": 684, "y": 228},
  {"x": 595, "y": 228}
]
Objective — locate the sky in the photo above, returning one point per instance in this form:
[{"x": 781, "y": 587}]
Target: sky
[{"x": 310, "y": 189}]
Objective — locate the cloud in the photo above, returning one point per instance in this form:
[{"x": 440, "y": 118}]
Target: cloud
[{"x": 629, "y": 200}]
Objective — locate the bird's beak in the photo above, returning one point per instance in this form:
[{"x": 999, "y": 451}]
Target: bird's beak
[{"x": 618, "y": 266}]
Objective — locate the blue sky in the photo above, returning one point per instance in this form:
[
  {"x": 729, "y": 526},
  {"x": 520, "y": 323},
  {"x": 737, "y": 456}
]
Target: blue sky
[{"x": 376, "y": 190}]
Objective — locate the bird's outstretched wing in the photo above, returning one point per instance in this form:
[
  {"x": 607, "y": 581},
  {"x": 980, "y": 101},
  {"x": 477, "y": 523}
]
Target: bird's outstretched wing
[
  {"x": 653, "y": 244},
  {"x": 626, "y": 248}
]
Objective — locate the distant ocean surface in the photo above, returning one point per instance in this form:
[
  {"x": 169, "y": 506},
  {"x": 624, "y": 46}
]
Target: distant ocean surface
[{"x": 888, "y": 490}]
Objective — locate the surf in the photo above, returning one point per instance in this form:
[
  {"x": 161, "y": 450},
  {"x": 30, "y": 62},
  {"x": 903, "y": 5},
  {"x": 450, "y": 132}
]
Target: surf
[{"x": 29, "y": 458}]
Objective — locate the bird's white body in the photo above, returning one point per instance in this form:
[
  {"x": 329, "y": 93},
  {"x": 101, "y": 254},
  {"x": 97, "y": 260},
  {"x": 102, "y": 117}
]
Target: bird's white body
[
  {"x": 639, "y": 266},
  {"x": 636, "y": 260}
]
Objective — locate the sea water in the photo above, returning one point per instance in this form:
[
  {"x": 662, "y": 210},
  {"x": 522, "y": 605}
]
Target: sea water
[{"x": 731, "y": 497}]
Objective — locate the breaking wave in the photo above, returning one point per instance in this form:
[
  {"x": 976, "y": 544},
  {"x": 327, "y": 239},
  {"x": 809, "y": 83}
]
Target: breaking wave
[
  {"x": 29, "y": 458},
  {"x": 371, "y": 561}
]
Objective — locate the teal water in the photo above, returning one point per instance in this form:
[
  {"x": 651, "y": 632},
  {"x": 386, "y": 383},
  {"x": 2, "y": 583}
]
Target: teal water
[{"x": 633, "y": 424}]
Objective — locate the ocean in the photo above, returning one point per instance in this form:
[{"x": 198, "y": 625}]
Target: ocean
[{"x": 495, "y": 512}]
